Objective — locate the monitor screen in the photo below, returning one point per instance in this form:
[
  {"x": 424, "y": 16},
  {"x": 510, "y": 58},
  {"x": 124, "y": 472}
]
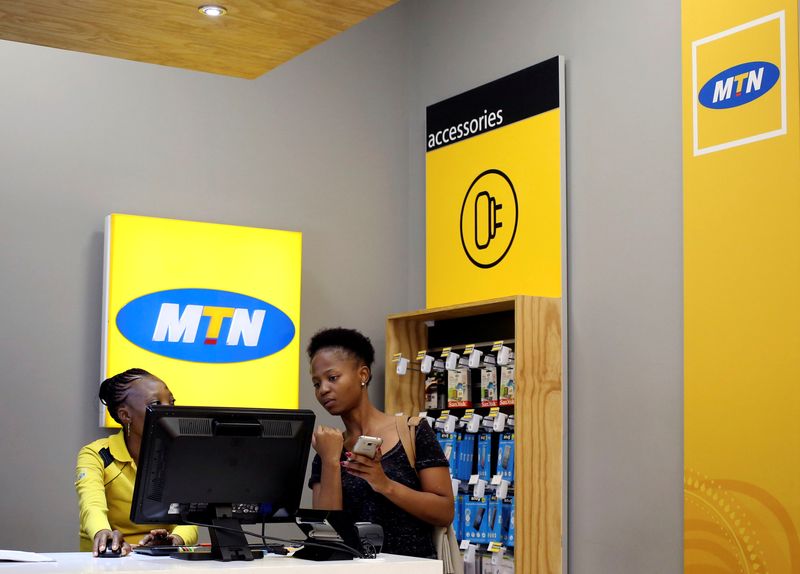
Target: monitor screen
[{"x": 220, "y": 465}]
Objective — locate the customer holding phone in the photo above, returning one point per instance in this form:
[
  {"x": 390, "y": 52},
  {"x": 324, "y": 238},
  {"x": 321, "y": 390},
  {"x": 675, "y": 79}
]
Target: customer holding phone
[{"x": 385, "y": 490}]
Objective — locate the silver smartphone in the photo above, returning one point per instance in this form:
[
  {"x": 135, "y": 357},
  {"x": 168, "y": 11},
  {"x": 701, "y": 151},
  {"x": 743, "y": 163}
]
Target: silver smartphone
[{"x": 367, "y": 445}]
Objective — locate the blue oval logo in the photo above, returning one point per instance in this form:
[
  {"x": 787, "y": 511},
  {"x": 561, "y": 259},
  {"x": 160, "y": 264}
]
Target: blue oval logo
[
  {"x": 205, "y": 325},
  {"x": 739, "y": 85}
]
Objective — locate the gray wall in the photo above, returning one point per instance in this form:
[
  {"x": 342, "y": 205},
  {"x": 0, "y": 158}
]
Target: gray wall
[
  {"x": 332, "y": 144},
  {"x": 625, "y": 229},
  {"x": 318, "y": 145}
]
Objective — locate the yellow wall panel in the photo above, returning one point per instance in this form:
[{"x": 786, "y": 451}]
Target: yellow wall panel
[{"x": 741, "y": 289}]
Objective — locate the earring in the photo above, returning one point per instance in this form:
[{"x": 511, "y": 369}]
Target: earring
[
  {"x": 363, "y": 384},
  {"x": 127, "y": 429}
]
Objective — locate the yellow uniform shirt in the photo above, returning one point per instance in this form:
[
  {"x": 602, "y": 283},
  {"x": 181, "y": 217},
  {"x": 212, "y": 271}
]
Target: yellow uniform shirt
[{"x": 105, "y": 492}]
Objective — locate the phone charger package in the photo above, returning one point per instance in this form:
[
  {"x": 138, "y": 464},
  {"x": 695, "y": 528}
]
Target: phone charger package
[
  {"x": 436, "y": 390},
  {"x": 458, "y": 517},
  {"x": 489, "y": 389},
  {"x": 466, "y": 455},
  {"x": 507, "y": 385},
  {"x": 449, "y": 444},
  {"x": 505, "y": 456},
  {"x": 494, "y": 522},
  {"x": 431, "y": 393},
  {"x": 474, "y": 517},
  {"x": 484, "y": 455},
  {"x": 507, "y": 535},
  {"x": 459, "y": 388},
  {"x": 507, "y": 526}
]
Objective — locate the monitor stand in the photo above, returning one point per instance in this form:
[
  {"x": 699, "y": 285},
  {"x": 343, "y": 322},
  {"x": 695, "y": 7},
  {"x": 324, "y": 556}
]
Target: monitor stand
[{"x": 228, "y": 542}]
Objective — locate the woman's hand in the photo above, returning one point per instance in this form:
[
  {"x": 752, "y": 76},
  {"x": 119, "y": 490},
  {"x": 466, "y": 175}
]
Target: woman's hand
[
  {"x": 370, "y": 469},
  {"x": 101, "y": 541},
  {"x": 328, "y": 443},
  {"x": 161, "y": 537}
]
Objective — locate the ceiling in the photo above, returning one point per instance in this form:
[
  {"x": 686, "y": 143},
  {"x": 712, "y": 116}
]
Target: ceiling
[{"x": 254, "y": 37}]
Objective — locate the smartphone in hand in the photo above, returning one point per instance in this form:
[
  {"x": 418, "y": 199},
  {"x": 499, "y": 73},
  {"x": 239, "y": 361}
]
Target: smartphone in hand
[{"x": 367, "y": 445}]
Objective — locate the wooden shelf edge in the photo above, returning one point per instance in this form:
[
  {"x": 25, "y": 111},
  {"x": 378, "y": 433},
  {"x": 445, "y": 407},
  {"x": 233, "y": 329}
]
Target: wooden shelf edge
[{"x": 466, "y": 309}]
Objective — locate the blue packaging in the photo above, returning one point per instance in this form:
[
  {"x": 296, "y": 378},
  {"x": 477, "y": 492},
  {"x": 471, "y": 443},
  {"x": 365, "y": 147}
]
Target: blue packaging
[
  {"x": 505, "y": 456},
  {"x": 507, "y": 535},
  {"x": 458, "y": 517},
  {"x": 449, "y": 444},
  {"x": 484, "y": 455},
  {"x": 475, "y": 519},
  {"x": 494, "y": 520},
  {"x": 466, "y": 456}
]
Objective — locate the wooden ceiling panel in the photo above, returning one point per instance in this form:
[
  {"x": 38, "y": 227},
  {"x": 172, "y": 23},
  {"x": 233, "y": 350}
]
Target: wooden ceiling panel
[{"x": 254, "y": 37}]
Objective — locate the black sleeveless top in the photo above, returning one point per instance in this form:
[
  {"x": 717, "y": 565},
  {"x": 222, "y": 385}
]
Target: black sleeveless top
[{"x": 402, "y": 533}]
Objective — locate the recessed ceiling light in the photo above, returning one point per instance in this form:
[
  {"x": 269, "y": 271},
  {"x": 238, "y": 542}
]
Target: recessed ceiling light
[{"x": 212, "y": 10}]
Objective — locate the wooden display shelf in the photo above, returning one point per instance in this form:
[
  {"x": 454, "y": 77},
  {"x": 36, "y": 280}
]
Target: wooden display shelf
[{"x": 538, "y": 412}]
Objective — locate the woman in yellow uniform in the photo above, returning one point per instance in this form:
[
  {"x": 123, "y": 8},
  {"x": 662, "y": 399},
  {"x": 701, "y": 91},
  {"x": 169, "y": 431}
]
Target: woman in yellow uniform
[{"x": 106, "y": 470}]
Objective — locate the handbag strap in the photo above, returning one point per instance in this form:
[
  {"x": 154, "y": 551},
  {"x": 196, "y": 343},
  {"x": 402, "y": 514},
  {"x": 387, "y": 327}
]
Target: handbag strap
[
  {"x": 407, "y": 432},
  {"x": 444, "y": 539}
]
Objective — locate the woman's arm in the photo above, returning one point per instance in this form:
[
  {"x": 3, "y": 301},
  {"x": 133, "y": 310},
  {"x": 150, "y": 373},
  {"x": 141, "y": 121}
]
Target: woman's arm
[
  {"x": 432, "y": 504},
  {"x": 327, "y": 493},
  {"x": 92, "y": 505}
]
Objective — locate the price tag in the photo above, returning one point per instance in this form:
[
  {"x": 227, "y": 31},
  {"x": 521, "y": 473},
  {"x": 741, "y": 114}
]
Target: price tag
[
  {"x": 446, "y": 352},
  {"x": 473, "y": 480},
  {"x": 497, "y": 346},
  {"x": 468, "y": 415},
  {"x": 468, "y": 349},
  {"x": 421, "y": 354},
  {"x": 495, "y": 546},
  {"x": 396, "y": 357},
  {"x": 497, "y": 479},
  {"x": 464, "y": 544}
]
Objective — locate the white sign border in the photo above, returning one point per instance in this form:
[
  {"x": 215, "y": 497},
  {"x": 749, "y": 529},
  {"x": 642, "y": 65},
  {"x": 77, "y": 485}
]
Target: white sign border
[{"x": 781, "y": 16}]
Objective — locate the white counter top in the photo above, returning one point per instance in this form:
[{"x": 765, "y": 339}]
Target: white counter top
[{"x": 83, "y": 562}]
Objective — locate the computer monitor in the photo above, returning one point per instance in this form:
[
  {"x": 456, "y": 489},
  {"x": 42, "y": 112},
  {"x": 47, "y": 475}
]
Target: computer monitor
[{"x": 223, "y": 467}]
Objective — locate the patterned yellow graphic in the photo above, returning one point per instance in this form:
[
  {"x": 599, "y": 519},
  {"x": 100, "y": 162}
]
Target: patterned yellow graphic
[{"x": 736, "y": 527}]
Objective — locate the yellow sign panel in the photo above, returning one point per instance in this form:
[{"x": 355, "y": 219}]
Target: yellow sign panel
[
  {"x": 495, "y": 190},
  {"x": 213, "y": 310},
  {"x": 741, "y": 284}
]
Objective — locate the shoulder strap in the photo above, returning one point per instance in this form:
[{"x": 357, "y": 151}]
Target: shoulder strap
[
  {"x": 407, "y": 431},
  {"x": 105, "y": 454}
]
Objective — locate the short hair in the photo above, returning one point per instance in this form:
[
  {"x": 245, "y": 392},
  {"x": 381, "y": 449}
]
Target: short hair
[
  {"x": 114, "y": 390},
  {"x": 350, "y": 341}
]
